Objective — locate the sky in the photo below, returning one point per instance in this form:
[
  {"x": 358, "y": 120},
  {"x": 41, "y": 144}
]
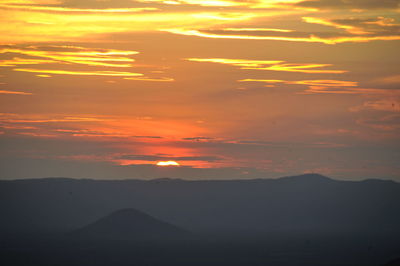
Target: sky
[{"x": 218, "y": 89}]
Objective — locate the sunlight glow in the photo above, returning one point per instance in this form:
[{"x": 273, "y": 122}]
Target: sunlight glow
[{"x": 167, "y": 163}]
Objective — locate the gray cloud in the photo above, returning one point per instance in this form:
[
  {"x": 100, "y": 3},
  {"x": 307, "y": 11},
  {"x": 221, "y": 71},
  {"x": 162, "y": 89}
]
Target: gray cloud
[
  {"x": 386, "y": 123},
  {"x": 198, "y": 138},
  {"x": 165, "y": 157}
]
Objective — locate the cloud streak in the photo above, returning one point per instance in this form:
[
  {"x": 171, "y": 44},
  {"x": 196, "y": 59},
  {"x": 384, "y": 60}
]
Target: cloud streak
[
  {"x": 68, "y": 55},
  {"x": 15, "y": 92},
  {"x": 62, "y": 57},
  {"x": 366, "y": 27},
  {"x": 291, "y": 37},
  {"x": 272, "y": 65},
  {"x": 165, "y": 157},
  {"x": 80, "y": 73},
  {"x": 349, "y": 4},
  {"x": 327, "y": 86}
]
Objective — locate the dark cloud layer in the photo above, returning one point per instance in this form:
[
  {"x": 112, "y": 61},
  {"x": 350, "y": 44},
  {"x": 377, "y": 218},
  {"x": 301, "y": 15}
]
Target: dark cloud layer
[{"x": 164, "y": 157}]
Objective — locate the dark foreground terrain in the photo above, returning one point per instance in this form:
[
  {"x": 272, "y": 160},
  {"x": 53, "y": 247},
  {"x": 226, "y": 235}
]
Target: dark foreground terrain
[
  {"x": 306, "y": 220},
  {"x": 274, "y": 250}
]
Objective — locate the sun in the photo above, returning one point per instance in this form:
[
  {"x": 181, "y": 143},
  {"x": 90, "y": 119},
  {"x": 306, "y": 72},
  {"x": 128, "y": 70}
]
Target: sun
[{"x": 167, "y": 163}]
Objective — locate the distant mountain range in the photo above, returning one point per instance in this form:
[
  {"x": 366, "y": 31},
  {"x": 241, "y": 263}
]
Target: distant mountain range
[{"x": 311, "y": 204}]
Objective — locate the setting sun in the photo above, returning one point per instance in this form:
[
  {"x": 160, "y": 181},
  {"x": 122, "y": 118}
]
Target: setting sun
[{"x": 167, "y": 163}]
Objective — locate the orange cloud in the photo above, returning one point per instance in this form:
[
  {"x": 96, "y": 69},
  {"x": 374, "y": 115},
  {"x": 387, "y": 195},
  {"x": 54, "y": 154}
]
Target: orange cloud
[
  {"x": 327, "y": 22},
  {"x": 69, "y": 55},
  {"x": 226, "y": 3},
  {"x": 199, "y": 33},
  {"x": 80, "y": 73},
  {"x": 390, "y": 104},
  {"x": 37, "y": 23},
  {"x": 342, "y": 90},
  {"x": 32, "y": 6},
  {"x": 275, "y": 65},
  {"x": 104, "y": 126},
  {"x": 15, "y": 92},
  {"x": 258, "y": 29},
  {"x": 374, "y": 27},
  {"x": 326, "y": 86},
  {"x": 23, "y": 61},
  {"x": 390, "y": 79},
  {"x": 357, "y": 31},
  {"x": 326, "y": 83},
  {"x": 151, "y": 79},
  {"x": 216, "y": 3},
  {"x": 348, "y": 4},
  {"x": 24, "y": 118}
]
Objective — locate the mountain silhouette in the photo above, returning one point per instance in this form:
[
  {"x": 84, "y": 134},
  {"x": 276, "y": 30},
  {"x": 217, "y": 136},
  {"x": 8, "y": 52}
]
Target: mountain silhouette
[
  {"x": 130, "y": 224},
  {"x": 307, "y": 178},
  {"x": 309, "y": 204},
  {"x": 306, "y": 220}
]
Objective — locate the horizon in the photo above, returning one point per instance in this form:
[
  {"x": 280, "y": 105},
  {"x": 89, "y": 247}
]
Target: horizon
[{"x": 166, "y": 179}]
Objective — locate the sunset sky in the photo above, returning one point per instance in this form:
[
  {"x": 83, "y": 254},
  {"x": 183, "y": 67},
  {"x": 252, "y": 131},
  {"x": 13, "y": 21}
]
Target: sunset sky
[{"x": 216, "y": 89}]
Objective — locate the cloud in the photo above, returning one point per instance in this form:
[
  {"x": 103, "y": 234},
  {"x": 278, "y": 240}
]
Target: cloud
[
  {"x": 68, "y": 7},
  {"x": 368, "y": 27},
  {"x": 62, "y": 57},
  {"x": 391, "y": 104},
  {"x": 355, "y": 30},
  {"x": 198, "y": 138},
  {"x": 23, "y": 61},
  {"x": 272, "y": 65},
  {"x": 395, "y": 79},
  {"x": 98, "y": 128},
  {"x": 343, "y": 90},
  {"x": 307, "y": 37},
  {"x": 80, "y": 73},
  {"x": 77, "y": 20},
  {"x": 67, "y": 55},
  {"x": 350, "y": 4},
  {"x": 251, "y": 4},
  {"x": 327, "y": 86},
  {"x": 323, "y": 83},
  {"x": 102, "y": 133},
  {"x": 42, "y": 125},
  {"x": 162, "y": 79},
  {"x": 33, "y": 2},
  {"x": 44, "y": 23},
  {"x": 15, "y": 92},
  {"x": 214, "y": 3},
  {"x": 386, "y": 123},
  {"x": 164, "y": 157}
]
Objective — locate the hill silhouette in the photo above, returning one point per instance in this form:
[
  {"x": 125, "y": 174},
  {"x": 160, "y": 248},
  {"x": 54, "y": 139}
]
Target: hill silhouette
[
  {"x": 129, "y": 224},
  {"x": 307, "y": 220},
  {"x": 308, "y": 203}
]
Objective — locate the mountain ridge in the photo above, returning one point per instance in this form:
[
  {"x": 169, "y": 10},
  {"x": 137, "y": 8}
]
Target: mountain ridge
[
  {"x": 314, "y": 176},
  {"x": 305, "y": 203}
]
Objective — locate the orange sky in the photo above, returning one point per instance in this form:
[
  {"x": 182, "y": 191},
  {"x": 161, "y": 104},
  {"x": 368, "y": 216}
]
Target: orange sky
[{"x": 225, "y": 88}]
